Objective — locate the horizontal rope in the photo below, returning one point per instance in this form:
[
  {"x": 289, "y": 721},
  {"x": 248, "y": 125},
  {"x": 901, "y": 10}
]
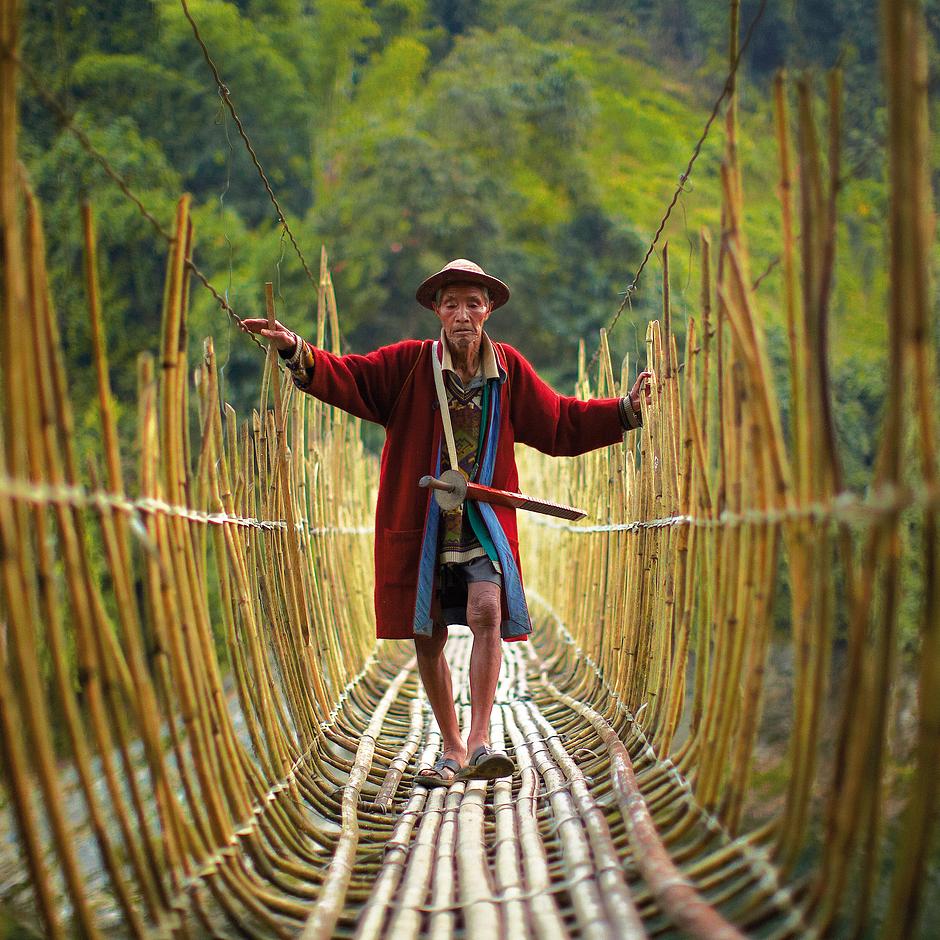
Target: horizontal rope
[
  {"x": 80, "y": 498},
  {"x": 846, "y": 507}
]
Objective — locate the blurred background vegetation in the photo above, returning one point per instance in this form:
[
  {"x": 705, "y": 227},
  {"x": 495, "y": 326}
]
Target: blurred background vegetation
[{"x": 542, "y": 138}]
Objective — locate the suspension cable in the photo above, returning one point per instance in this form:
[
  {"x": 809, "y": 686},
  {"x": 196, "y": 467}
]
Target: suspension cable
[
  {"x": 226, "y": 96},
  {"x": 684, "y": 177},
  {"x": 67, "y": 120}
]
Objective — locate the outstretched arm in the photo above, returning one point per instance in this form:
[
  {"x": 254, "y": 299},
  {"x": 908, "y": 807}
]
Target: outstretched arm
[
  {"x": 561, "y": 425},
  {"x": 366, "y": 386}
]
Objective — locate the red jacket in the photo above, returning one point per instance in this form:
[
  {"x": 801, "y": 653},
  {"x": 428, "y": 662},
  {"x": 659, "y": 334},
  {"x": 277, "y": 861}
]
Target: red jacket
[{"x": 394, "y": 386}]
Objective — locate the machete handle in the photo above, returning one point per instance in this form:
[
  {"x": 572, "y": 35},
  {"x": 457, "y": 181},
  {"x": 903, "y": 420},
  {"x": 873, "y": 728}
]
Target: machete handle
[
  {"x": 449, "y": 491},
  {"x": 429, "y": 482}
]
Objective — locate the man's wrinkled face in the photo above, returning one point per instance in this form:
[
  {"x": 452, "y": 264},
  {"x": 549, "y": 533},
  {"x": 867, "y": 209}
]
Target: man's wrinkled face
[{"x": 462, "y": 310}]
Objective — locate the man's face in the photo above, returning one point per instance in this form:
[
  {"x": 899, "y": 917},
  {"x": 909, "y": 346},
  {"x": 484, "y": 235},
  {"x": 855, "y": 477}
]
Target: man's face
[{"x": 462, "y": 310}]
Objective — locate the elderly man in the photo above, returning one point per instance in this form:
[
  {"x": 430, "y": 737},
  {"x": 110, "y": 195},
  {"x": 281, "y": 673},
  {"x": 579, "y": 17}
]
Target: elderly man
[{"x": 434, "y": 568}]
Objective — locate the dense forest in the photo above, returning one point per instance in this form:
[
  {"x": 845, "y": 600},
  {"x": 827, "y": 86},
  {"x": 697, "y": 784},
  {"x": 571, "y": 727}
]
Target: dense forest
[{"x": 543, "y": 138}]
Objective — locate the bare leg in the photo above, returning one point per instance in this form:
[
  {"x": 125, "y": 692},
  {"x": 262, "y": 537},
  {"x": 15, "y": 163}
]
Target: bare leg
[
  {"x": 486, "y": 658},
  {"x": 435, "y": 674}
]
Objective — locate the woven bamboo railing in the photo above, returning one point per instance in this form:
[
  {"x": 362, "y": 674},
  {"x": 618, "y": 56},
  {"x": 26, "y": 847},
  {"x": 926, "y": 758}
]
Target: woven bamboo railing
[{"x": 199, "y": 736}]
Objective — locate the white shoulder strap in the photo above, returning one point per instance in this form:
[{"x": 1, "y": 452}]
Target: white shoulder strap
[{"x": 445, "y": 409}]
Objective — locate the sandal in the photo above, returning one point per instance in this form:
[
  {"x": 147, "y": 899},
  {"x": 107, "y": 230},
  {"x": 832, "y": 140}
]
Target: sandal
[
  {"x": 434, "y": 776},
  {"x": 487, "y": 764}
]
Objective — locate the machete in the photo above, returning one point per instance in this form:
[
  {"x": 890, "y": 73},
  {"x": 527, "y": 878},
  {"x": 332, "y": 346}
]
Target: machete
[{"x": 452, "y": 488}]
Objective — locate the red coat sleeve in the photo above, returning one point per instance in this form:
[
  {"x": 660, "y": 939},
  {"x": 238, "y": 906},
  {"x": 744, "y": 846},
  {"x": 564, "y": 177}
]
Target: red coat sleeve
[
  {"x": 555, "y": 424},
  {"x": 366, "y": 386}
]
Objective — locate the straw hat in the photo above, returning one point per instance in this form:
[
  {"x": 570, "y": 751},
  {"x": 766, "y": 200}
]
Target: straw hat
[{"x": 464, "y": 272}]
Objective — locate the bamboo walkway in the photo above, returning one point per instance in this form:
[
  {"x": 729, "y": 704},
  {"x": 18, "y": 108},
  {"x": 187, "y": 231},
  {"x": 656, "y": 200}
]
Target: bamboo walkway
[
  {"x": 546, "y": 854},
  {"x": 557, "y": 851},
  {"x": 727, "y": 722}
]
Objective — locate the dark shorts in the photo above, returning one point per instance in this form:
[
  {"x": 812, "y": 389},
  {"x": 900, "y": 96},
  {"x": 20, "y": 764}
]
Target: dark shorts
[
  {"x": 479, "y": 569},
  {"x": 453, "y": 586}
]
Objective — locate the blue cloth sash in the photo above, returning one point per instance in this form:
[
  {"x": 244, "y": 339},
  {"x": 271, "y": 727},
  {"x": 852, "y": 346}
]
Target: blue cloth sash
[{"x": 518, "y": 623}]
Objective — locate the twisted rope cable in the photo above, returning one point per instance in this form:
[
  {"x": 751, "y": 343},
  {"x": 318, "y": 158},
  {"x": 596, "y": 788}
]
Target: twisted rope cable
[
  {"x": 684, "y": 176},
  {"x": 68, "y": 122},
  {"x": 80, "y": 498},
  {"x": 226, "y": 97},
  {"x": 845, "y": 507}
]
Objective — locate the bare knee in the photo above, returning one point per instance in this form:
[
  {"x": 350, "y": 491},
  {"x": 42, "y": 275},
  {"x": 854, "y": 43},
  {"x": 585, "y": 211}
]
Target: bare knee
[
  {"x": 431, "y": 647},
  {"x": 484, "y": 612}
]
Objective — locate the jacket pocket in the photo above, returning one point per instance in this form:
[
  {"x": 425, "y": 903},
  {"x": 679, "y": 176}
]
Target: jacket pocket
[{"x": 401, "y": 556}]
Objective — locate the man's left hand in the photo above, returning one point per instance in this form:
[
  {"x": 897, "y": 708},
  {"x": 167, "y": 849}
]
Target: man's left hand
[{"x": 641, "y": 384}]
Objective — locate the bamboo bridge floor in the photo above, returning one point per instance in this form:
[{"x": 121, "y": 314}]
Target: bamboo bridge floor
[{"x": 545, "y": 853}]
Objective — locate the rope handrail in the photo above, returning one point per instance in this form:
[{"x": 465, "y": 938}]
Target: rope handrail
[
  {"x": 226, "y": 96},
  {"x": 845, "y": 507},
  {"x": 81, "y": 498}
]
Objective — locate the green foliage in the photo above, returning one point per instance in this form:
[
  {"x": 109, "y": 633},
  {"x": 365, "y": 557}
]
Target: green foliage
[
  {"x": 342, "y": 29},
  {"x": 544, "y": 139},
  {"x": 391, "y": 80},
  {"x": 131, "y": 255}
]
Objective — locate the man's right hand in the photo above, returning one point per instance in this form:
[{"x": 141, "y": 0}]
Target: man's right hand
[{"x": 283, "y": 338}]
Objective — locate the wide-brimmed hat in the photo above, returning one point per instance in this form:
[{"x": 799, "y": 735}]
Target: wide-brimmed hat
[{"x": 461, "y": 271}]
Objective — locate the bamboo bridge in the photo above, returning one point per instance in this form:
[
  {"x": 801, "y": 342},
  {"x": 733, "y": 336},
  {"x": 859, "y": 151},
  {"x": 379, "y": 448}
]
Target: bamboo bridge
[{"x": 200, "y": 737}]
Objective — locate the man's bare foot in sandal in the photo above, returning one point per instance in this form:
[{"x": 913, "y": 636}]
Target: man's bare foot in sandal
[
  {"x": 487, "y": 764},
  {"x": 444, "y": 770}
]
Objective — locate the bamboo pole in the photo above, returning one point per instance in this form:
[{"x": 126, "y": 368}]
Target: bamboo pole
[{"x": 912, "y": 222}]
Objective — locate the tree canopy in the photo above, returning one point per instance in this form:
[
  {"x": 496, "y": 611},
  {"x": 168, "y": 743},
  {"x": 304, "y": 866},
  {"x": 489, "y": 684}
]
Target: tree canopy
[{"x": 542, "y": 138}]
